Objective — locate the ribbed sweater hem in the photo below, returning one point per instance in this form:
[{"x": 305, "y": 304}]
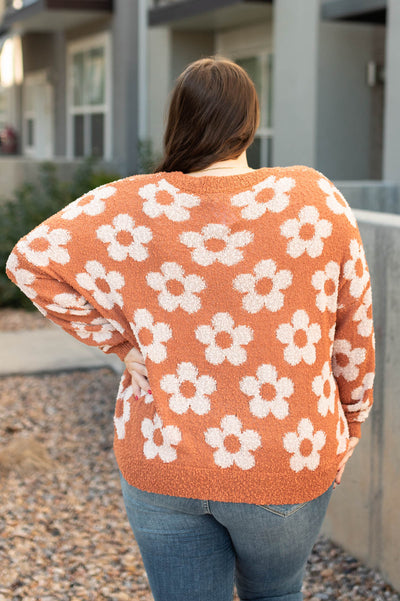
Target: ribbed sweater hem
[{"x": 227, "y": 485}]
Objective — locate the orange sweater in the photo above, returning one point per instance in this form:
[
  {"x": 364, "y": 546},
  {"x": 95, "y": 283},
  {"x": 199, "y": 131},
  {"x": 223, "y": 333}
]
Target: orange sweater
[{"x": 250, "y": 298}]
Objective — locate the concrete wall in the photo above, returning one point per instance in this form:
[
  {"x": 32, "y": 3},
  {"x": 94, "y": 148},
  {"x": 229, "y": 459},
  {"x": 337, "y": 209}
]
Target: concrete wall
[
  {"x": 188, "y": 46},
  {"x": 371, "y": 195},
  {"x": 349, "y": 117},
  {"x": 363, "y": 515},
  {"x": 245, "y": 41},
  {"x": 159, "y": 83}
]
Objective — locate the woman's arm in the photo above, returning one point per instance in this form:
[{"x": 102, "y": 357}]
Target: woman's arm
[{"x": 64, "y": 268}]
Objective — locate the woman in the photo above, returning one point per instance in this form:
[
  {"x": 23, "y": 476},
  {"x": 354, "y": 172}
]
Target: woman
[{"x": 240, "y": 300}]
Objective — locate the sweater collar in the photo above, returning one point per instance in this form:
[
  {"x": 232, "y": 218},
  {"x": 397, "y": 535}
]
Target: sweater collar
[{"x": 216, "y": 183}]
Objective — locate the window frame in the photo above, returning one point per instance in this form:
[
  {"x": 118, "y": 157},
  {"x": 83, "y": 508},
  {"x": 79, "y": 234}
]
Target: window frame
[
  {"x": 83, "y": 45},
  {"x": 265, "y": 132}
]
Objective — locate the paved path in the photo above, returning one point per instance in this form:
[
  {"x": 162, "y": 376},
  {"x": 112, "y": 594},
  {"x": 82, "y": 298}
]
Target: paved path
[{"x": 49, "y": 350}]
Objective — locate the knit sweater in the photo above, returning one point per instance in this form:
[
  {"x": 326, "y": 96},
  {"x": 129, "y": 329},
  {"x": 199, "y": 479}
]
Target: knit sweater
[{"x": 249, "y": 297}]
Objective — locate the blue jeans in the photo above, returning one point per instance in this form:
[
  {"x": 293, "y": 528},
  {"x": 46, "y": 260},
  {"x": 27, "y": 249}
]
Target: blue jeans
[{"x": 194, "y": 550}]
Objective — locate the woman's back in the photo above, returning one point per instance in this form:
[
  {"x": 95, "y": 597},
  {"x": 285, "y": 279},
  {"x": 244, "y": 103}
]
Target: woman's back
[{"x": 237, "y": 290}]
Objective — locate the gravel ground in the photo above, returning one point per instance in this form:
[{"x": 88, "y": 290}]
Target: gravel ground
[
  {"x": 12, "y": 320},
  {"x": 64, "y": 535}
]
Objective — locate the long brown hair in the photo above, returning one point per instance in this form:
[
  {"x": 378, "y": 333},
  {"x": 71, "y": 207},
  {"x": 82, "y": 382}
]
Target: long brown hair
[{"x": 213, "y": 115}]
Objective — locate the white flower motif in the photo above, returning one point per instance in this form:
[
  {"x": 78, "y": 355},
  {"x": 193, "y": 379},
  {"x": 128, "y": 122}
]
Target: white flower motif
[
  {"x": 271, "y": 194},
  {"x": 324, "y": 387},
  {"x": 342, "y": 431},
  {"x": 188, "y": 390},
  {"x": 363, "y": 406},
  {"x": 346, "y": 359},
  {"x": 224, "y": 340},
  {"x": 268, "y": 393},
  {"x": 98, "y": 329},
  {"x": 151, "y": 336},
  {"x": 306, "y": 233},
  {"x": 336, "y": 201},
  {"x": 300, "y": 337},
  {"x": 356, "y": 270},
  {"x": 123, "y": 398},
  {"x": 216, "y": 243},
  {"x": 264, "y": 288},
  {"x": 74, "y": 304},
  {"x": 160, "y": 439},
  {"x": 163, "y": 198},
  {"x": 123, "y": 239},
  {"x": 232, "y": 443},
  {"x": 90, "y": 204},
  {"x": 327, "y": 283},
  {"x": 176, "y": 289},
  {"x": 304, "y": 446},
  {"x": 103, "y": 285},
  {"x": 43, "y": 245},
  {"x": 364, "y": 314},
  {"x": 23, "y": 278}
]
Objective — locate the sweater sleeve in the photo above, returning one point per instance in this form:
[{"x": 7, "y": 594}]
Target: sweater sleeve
[
  {"x": 353, "y": 358},
  {"x": 55, "y": 266}
]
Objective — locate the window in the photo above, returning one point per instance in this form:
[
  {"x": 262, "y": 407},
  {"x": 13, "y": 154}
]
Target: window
[
  {"x": 89, "y": 98},
  {"x": 260, "y": 68}
]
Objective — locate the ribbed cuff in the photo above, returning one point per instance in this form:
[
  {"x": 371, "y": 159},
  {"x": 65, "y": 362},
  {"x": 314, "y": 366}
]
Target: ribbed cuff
[
  {"x": 355, "y": 429},
  {"x": 121, "y": 350}
]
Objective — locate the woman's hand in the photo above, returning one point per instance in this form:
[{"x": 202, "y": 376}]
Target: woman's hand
[
  {"x": 134, "y": 362},
  {"x": 352, "y": 442}
]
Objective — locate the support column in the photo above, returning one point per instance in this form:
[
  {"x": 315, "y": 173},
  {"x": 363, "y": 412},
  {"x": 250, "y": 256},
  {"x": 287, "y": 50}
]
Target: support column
[
  {"x": 125, "y": 80},
  {"x": 296, "y": 29},
  {"x": 391, "y": 147}
]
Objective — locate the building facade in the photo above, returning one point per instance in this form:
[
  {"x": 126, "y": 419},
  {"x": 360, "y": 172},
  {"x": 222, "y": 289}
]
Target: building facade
[{"x": 81, "y": 77}]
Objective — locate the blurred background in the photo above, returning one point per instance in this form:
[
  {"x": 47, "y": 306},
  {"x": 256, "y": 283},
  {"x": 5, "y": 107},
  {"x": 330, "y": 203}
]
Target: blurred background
[{"x": 89, "y": 80}]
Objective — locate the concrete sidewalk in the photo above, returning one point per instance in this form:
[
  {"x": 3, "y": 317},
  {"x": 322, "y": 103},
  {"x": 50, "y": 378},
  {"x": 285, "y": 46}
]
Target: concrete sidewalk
[{"x": 49, "y": 350}]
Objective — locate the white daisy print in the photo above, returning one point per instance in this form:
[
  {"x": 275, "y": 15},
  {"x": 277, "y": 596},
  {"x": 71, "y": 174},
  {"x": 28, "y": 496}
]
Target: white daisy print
[
  {"x": 363, "y": 406},
  {"x": 263, "y": 289},
  {"x": 324, "y": 387},
  {"x": 355, "y": 269},
  {"x": 306, "y": 233},
  {"x": 124, "y": 240},
  {"x": 23, "y": 278},
  {"x": 43, "y": 245},
  {"x": 224, "y": 340},
  {"x": 347, "y": 359},
  {"x": 161, "y": 440},
  {"x": 74, "y": 304},
  {"x": 271, "y": 194},
  {"x": 163, "y": 198},
  {"x": 268, "y": 392},
  {"x": 90, "y": 204},
  {"x": 151, "y": 335},
  {"x": 216, "y": 243},
  {"x": 98, "y": 329},
  {"x": 327, "y": 283},
  {"x": 300, "y": 338},
  {"x": 103, "y": 285},
  {"x": 120, "y": 421},
  {"x": 304, "y": 446},
  {"x": 188, "y": 390},
  {"x": 336, "y": 201},
  {"x": 342, "y": 431},
  {"x": 364, "y": 315},
  {"x": 176, "y": 288},
  {"x": 233, "y": 444}
]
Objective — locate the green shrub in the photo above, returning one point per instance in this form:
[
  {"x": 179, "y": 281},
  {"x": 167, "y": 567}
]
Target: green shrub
[{"x": 33, "y": 203}]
